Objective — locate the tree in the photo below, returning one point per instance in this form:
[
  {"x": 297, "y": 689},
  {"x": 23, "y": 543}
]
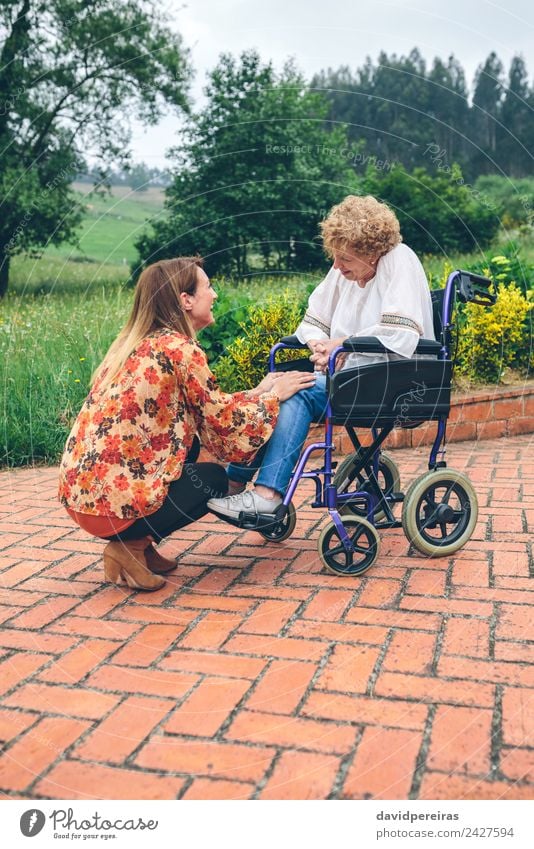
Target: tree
[
  {"x": 348, "y": 98},
  {"x": 436, "y": 212},
  {"x": 487, "y": 102},
  {"x": 516, "y": 135},
  {"x": 449, "y": 108},
  {"x": 138, "y": 177},
  {"x": 67, "y": 68},
  {"x": 401, "y": 102},
  {"x": 398, "y": 109},
  {"x": 257, "y": 171},
  {"x": 384, "y": 105}
]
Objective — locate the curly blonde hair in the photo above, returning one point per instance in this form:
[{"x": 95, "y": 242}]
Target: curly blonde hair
[{"x": 361, "y": 225}]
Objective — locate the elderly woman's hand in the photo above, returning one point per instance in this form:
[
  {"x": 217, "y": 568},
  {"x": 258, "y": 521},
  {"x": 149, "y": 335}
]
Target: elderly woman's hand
[
  {"x": 322, "y": 352},
  {"x": 312, "y": 344}
]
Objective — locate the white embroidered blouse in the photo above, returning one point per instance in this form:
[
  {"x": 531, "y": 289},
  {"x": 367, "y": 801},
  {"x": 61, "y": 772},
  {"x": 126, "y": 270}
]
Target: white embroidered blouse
[{"x": 394, "y": 306}]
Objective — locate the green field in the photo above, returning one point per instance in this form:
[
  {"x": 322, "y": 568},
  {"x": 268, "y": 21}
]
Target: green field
[
  {"x": 111, "y": 225},
  {"x": 105, "y": 248}
]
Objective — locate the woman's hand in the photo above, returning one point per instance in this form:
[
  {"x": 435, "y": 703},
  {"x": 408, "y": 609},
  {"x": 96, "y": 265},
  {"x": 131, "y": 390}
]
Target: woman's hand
[
  {"x": 288, "y": 383},
  {"x": 322, "y": 351},
  {"x": 267, "y": 383},
  {"x": 272, "y": 380}
]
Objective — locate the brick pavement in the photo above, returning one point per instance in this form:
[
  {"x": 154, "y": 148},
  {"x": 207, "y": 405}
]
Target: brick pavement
[{"x": 253, "y": 674}]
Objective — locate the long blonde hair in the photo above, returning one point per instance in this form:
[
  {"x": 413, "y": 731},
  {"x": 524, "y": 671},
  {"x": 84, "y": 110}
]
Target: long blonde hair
[{"x": 156, "y": 305}]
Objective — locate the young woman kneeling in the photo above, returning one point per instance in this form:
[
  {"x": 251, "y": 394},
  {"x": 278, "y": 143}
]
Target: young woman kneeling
[{"x": 129, "y": 472}]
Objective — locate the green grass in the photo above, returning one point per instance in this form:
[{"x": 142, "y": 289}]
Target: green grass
[
  {"x": 111, "y": 225},
  {"x": 62, "y": 276},
  {"x": 434, "y": 263},
  {"x": 51, "y": 343},
  {"x": 49, "y": 347}
]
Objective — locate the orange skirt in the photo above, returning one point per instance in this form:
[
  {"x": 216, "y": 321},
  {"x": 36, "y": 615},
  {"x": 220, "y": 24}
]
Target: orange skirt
[{"x": 100, "y": 526}]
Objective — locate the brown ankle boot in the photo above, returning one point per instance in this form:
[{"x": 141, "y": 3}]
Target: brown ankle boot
[
  {"x": 128, "y": 560},
  {"x": 157, "y": 563}
]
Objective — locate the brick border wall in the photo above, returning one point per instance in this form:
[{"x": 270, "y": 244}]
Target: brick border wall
[{"x": 504, "y": 411}]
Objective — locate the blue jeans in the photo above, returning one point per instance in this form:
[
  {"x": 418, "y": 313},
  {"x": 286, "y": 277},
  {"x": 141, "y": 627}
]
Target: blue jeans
[{"x": 276, "y": 460}]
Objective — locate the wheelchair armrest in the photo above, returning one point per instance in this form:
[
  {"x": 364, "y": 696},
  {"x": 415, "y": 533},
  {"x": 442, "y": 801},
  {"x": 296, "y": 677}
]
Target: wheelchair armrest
[
  {"x": 365, "y": 345},
  {"x": 428, "y": 346},
  {"x": 371, "y": 345},
  {"x": 293, "y": 342}
]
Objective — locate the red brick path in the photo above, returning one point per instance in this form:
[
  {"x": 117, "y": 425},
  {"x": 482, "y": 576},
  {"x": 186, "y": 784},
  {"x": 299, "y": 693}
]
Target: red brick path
[{"x": 252, "y": 674}]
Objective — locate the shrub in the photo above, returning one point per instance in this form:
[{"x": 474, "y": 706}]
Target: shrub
[
  {"x": 237, "y": 297},
  {"x": 246, "y": 361},
  {"x": 508, "y": 266},
  {"x": 438, "y": 279},
  {"x": 231, "y": 310},
  {"x": 514, "y": 199},
  {"x": 493, "y": 339}
]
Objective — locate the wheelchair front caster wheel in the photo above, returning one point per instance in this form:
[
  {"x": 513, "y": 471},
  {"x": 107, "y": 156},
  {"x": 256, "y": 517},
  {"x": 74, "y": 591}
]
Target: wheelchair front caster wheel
[
  {"x": 337, "y": 559},
  {"x": 279, "y": 531},
  {"x": 440, "y": 512}
]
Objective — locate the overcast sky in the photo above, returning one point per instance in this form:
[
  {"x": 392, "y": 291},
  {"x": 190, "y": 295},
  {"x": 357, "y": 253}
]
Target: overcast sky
[{"x": 329, "y": 33}]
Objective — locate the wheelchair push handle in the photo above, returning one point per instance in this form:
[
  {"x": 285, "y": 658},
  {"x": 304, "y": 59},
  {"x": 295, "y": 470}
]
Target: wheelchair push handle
[{"x": 475, "y": 289}]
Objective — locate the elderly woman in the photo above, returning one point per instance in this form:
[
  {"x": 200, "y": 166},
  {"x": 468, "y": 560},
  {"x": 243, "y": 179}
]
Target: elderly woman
[
  {"x": 128, "y": 473},
  {"x": 376, "y": 287}
]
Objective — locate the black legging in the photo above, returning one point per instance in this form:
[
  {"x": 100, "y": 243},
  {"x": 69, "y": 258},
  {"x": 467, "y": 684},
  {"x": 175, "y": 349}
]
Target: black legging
[{"x": 185, "y": 501}]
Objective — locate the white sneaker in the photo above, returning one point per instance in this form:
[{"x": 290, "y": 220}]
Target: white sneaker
[{"x": 244, "y": 502}]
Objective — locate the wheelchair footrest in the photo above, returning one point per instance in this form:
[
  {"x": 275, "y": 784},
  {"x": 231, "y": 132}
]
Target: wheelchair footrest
[
  {"x": 256, "y": 521},
  {"x": 396, "y": 497}
]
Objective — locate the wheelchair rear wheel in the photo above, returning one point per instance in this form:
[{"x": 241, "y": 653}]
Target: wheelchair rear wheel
[
  {"x": 335, "y": 556},
  {"x": 388, "y": 478},
  {"x": 440, "y": 512},
  {"x": 279, "y": 531}
]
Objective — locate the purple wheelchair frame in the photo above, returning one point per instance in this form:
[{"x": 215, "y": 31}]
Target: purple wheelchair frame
[{"x": 326, "y": 493}]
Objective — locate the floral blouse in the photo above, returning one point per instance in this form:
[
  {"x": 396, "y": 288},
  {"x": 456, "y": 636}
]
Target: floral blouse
[{"x": 130, "y": 440}]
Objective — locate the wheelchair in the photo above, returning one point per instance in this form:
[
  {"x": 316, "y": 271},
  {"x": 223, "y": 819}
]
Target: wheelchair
[{"x": 439, "y": 509}]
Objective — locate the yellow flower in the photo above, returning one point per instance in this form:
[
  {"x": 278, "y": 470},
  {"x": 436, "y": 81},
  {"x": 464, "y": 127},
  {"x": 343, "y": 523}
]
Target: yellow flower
[
  {"x": 82, "y": 359},
  {"x": 76, "y": 380}
]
